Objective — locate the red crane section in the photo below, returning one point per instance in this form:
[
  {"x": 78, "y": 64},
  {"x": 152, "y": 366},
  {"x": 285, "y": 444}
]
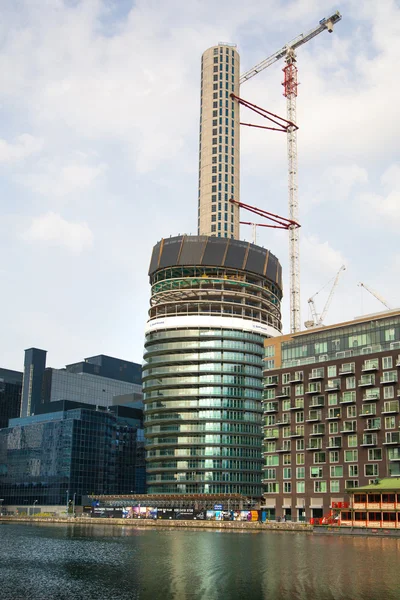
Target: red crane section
[{"x": 280, "y": 222}]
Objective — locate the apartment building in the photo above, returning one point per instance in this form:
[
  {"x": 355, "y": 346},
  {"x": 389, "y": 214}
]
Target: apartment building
[{"x": 331, "y": 413}]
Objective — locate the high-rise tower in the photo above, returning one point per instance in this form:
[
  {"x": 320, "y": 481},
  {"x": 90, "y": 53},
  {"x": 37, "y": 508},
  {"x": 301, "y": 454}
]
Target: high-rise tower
[
  {"x": 213, "y": 302},
  {"x": 219, "y": 143}
]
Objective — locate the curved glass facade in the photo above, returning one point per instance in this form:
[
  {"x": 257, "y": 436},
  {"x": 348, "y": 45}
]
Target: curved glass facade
[
  {"x": 213, "y": 301},
  {"x": 203, "y": 418}
]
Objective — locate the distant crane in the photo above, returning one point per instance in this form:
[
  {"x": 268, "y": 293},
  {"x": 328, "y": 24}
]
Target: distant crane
[
  {"x": 288, "y": 52},
  {"x": 377, "y": 296},
  {"x": 318, "y": 321}
]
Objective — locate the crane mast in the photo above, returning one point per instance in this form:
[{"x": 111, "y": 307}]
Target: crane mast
[{"x": 288, "y": 52}]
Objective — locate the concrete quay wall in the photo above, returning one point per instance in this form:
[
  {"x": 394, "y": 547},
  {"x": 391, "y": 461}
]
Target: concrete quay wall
[{"x": 143, "y": 523}]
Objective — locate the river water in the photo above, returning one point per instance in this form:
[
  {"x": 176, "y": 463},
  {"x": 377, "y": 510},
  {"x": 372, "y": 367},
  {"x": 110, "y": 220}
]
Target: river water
[{"x": 96, "y": 562}]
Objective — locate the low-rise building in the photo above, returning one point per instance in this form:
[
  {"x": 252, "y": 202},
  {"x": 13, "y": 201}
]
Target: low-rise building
[{"x": 331, "y": 413}]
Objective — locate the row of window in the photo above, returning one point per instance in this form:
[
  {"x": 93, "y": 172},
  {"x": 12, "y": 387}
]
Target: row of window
[
  {"x": 317, "y": 472},
  {"x": 273, "y": 460},
  {"x": 320, "y": 487}
]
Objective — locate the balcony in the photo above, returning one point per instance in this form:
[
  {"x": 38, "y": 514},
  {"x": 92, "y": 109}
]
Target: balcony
[
  {"x": 333, "y": 386},
  {"x": 271, "y": 435},
  {"x": 390, "y": 408},
  {"x": 316, "y": 374},
  {"x": 373, "y": 424},
  {"x": 348, "y": 398},
  {"x": 283, "y": 393},
  {"x": 271, "y": 407},
  {"x": 369, "y": 439},
  {"x": 389, "y": 377},
  {"x": 366, "y": 380},
  {"x": 317, "y": 402},
  {"x": 282, "y": 423},
  {"x": 314, "y": 388},
  {"x": 370, "y": 365},
  {"x": 334, "y": 443},
  {"x": 394, "y": 453},
  {"x": 283, "y": 449},
  {"x": 348, "y": 429},
  {"x": 347, "y": 369},
  {"x": 371, "y": 395},
  {"x": 313, "y": 415},
  {"x": 296, "y": 434},
  {"x": 368, "y": 411},
  {"x": 334, "y": 413},
  {"x": 297, "y": 407},
  {"x": 271, "y": 381},
  {"x": 297, "y": 377},
  {"x": 318, "y": 430},
  {"x": 315, "y": 445}
]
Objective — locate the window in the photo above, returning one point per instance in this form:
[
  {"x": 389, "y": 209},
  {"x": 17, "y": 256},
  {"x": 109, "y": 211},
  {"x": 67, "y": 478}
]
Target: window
[
  {"x": 300, "y": 445},
  {"x": 353, "y": 470},
  {"x": 352, "y": 483},
  {"x": 387, "y": 362},
  {"x": 334, "y": 427},
  {"x": 334, "y": 486},
  {"x": 287, "y": 459},
  {"x": 272, "y": 461},
  {"x": 285, "y": 378},
  {"x": 319, "y": 458},
  {"x": 270, "y": 474},
  {"x": 352, "y": 441},
  {"x": 286, "y": 405},
  {"x": 300, "y": 417},
  {"x": 320, "y": 487},
  {"x": 371, "y": 470},
  {"x": 299, "y": 389},
  {"x": 332, "y": 399},
  {"x": 316, "y": 472},
  {"x": 388, "y": 392},
  {"x": 334, "y": 413},
  {"x": 350, "y": 455},
  {"x": 351, "y": 412},
  {"x": 287, "y": 473},
  {"x": 271, "y": 488},
  {"x": 287, "y": 487},
  {"x": 336, "y": 471},
  {"x": 300, "y": 472},
  {"x": 374, "y": 453},
  {"x": 390, "y": 422},
  {"x": 332, "y": 371},
  {"x": 334, "y": 456},
  {"x": 300, "y": 487},
  {"x": 300, "y": 458},
  {"x": 350, "y": 383}
]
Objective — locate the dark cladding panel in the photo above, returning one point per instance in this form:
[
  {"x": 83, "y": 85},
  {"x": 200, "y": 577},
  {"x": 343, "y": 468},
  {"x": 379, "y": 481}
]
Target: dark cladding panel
[
  {"x": 192, "y": 250},
  {"x": 235, "y": 255},
  {"x": 170, "y": 252},
  {"x": 256, "y": 259},
  {"x": 154, "y": 258},
  {"x": 272, "y": 269},
  {"x": 214, "y": 252}
]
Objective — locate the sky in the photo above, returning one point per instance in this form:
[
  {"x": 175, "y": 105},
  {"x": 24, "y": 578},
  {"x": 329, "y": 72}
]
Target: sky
[{"x": 99, "y": 117}]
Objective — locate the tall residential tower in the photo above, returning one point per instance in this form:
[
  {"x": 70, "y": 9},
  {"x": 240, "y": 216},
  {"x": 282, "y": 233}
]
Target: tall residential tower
[{"x": 219, "y": 143}]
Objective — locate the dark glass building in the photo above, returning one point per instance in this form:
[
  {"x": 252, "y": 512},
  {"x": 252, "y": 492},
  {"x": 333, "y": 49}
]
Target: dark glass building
[
  {"x": 96, "y": 380},
  {"x": 34, "y": 366},
  {"x": 10, "y": 395},
  {"x": 50, "y": 458},
  {"x": 213, "y": 302}
]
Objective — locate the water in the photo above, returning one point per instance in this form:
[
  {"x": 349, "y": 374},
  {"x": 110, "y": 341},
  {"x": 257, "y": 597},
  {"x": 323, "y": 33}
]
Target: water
[{"x": 91, "y": 562}]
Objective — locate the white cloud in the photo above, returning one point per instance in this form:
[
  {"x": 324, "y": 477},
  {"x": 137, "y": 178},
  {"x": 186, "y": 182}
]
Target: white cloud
[
  {"x": 52, "y": 229},
  {"x": 24, "y": 145},
  {"x": 383, "y": 209},
  {"x": 54, "y": 179}
]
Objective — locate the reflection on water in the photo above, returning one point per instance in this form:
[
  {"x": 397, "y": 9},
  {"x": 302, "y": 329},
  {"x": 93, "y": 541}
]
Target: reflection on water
[{"x": 107, "y": 562}]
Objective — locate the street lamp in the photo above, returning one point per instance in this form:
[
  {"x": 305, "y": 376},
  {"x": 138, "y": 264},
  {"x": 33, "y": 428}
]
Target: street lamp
[
  {"x": 34, "y": 504},
  {"x": 1, "y": 506}
]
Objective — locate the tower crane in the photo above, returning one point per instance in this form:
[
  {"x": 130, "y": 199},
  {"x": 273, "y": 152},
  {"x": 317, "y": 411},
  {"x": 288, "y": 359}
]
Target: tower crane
[
  {"x": 377, "y": 296},
  {"x": 288, "y": 53},
  {"x": 317, "y": 321}
]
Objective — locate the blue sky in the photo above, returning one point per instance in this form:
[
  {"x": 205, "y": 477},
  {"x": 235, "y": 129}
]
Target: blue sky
[{"x": 99, "y": 112}]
